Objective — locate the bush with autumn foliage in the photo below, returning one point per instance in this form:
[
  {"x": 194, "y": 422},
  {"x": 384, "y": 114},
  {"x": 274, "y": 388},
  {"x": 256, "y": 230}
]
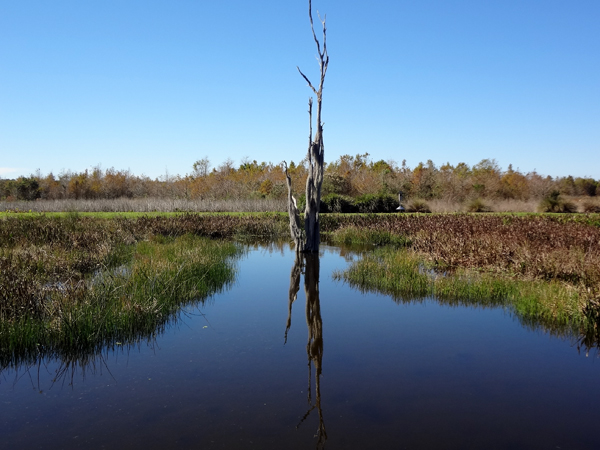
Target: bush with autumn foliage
[{"x": 359, "y": 181}]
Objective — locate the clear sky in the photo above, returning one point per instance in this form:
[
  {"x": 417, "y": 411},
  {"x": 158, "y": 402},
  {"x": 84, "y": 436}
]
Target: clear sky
[{"x": 153, "y": 86}]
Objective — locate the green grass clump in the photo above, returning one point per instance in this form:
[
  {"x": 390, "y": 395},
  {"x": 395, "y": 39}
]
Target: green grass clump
[
  {"x": 119, "y": 305},
  {"x": 382, "y": 272},
  {"x": 407, "y": 277}
]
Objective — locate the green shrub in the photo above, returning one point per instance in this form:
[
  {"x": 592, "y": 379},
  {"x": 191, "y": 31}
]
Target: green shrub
[
  {"x": 380, "y": 203},
  {"x": 335, "y": 203},
  {"x": 554, "y": 204}
]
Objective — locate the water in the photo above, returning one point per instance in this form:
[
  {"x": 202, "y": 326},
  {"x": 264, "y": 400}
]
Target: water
[{"x": 420, "y": 375}]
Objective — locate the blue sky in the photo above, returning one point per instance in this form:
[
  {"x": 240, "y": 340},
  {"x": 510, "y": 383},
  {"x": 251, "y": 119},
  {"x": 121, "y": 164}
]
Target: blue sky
[{"x": 152, "y": 86}]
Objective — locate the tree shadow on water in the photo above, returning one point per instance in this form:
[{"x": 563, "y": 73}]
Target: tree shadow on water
[{"x": 308, "y": 264}]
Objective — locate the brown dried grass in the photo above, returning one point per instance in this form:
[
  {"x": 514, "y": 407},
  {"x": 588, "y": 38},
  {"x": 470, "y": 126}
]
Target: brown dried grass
[
  {"x": 532, "y": 246},
  {"x": 41, "y": 253},
  {"x": 147, "y": 205}
]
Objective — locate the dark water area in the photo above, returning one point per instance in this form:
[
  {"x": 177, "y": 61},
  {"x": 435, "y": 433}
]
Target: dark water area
[{"x": 375, "y": 375}]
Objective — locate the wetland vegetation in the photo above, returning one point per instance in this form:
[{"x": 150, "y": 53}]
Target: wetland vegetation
[
  {"x": 72, "y": 285},
  {"x": 542, "y": 267},
  {"x": 78, "y": 291},
  {"x": 82, "y": 281}
]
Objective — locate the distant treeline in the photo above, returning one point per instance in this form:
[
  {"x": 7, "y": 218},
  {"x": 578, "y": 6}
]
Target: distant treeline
[{"x": 352, "y": 176}]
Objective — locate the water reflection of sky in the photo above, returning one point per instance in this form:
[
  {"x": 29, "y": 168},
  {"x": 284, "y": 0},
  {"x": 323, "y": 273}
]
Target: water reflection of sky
[{"x": 419, "y": 375}]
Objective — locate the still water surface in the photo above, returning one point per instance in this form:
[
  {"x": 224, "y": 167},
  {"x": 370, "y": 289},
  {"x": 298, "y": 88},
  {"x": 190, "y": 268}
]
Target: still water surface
[{"x": 416, "y": 376}]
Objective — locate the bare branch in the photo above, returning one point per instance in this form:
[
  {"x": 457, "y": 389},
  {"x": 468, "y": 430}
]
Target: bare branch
[
  {"x": 312, "y": 26},
  {"x": 324, "y": 55},
  {"x": 308, "y": 81}
]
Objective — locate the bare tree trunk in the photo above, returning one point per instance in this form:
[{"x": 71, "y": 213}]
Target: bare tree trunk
[
  {"x": 316, "y": 152},
  {"x": 295, "y": 230},
  {"x": 314, "y": 180}
]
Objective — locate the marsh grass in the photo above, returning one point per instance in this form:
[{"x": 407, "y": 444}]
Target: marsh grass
[
  {"x": 120, "y": 304},
  {"x": 542, "y": 267},
  {"x": 50, "y": 265},
  {"x": 147, "y": 205},
  {"x": 408, "y": 278},
  {"x": 545, "y": 247},
  {"x": 75, "y": 284}
]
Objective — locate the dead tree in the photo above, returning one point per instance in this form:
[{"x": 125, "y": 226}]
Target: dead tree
[{"x": 310, "y": 240}]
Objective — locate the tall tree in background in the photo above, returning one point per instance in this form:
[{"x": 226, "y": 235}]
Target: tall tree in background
[{"x": 309, "y": 241}]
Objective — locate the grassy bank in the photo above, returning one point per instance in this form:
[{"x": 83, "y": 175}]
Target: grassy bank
[
  {"x": 543, "y": 268},
  {"x": 119, "y": 305},
  {"x": 408, "y": 278},
  {"x": 545, "y": 247},
  {"x": 72, "y": 284}
]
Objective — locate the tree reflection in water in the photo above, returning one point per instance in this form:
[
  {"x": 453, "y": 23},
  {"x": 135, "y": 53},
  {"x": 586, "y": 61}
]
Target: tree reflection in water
[{"x": 314, "y": 346}]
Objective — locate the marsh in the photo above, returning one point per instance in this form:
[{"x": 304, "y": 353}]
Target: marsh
[{"x": 287, "y": 357}]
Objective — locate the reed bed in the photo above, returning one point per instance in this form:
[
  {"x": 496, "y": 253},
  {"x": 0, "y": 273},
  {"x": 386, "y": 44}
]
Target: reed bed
[
  {"x": 146, "y": 205},
  {"x": 149, "y": 205},
  {"x": 582, "y": 205}
]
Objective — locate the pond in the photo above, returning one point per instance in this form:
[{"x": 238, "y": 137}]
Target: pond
[{"x": 341, "y": 369}]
